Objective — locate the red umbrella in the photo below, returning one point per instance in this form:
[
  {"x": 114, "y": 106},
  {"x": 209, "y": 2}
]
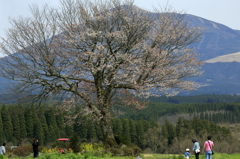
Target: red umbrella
[{"x": 63, "y": 139}]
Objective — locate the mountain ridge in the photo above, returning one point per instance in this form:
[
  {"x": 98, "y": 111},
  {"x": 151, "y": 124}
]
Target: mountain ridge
[{"x": 219, "y": 47}]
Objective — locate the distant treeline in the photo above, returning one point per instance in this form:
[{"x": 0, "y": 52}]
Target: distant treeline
[
  {"x": 213, "y": 112},
  {"x": 205, "y": 98}
]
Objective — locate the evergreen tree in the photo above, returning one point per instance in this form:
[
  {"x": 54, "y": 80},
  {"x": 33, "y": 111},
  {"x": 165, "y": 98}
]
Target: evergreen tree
[
  {"x": 29, "y": 122},
  {"x": 2, "y": 136},
  {"x": 179, "y": 128},
  {"x": 146, "y": 125},
  {"x": 133, "y": 131},
  {"x": 60, "y": 124},
  {"x": 170, "y": 131},
  {"x": 164, "y": 131},
  {"x": 69, "y": 129},
  {"x": 7, "y": 124},
  {"x": 117, "y": 127},
  {"x": 202, "y": 116},
  {"x": 126, "y": 138},
  {"x": 80, "y": 127},
  {"x": 140, "y": 134},
  {"x": 153, "y": 124},
  {"x": 213, "y": 128},
  {"x": 37, "y": 127},
  {"x": 22, "y": 123},
  {"x": 197, "y": 125},
  {"x": 52, "y": 125},
  {"x": 14, "y": 111},
  {"x": 44, "y": 124}
]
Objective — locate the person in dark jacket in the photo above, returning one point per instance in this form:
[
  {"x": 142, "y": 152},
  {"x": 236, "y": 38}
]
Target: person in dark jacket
[{"x": 35, "y": 145}]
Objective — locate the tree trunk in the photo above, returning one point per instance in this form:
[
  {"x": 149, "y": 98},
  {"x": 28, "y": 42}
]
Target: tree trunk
[{"x": 108, "y": 136}]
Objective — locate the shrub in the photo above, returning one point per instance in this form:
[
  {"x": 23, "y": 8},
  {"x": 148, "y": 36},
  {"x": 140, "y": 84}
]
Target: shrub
[
  {"x": 46, "y": 150},
  {"x": 127, "y": 151},
  {"x": 98, "y": 146},
  {"x": 136, "y": 149},
  {"x": 86, "y": 147},
  {"x": 116, "y": 151},
  {"x": 22, "y": 150}
]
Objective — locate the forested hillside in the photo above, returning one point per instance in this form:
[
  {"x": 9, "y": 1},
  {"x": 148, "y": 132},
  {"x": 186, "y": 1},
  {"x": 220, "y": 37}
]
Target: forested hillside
[
  {"x": 20, "y": 123},
  {"x": 216, "y": 112}
]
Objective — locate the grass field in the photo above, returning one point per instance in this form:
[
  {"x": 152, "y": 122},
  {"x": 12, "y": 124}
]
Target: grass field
[
  {"x": 215, "y": 156},
  {"x": 143, "y": 156}
]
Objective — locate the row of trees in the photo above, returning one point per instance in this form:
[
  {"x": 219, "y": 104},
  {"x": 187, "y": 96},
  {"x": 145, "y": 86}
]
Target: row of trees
[
  {"x": 203, "y": 98},
  {"x": 48, "y": 124},
  {"x": 18, "y": 123},
  {"x": 216, "y": 112}
]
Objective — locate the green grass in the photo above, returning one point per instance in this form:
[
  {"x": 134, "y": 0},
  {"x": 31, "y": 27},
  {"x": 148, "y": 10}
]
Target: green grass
[{"x": 144, "y": 156}]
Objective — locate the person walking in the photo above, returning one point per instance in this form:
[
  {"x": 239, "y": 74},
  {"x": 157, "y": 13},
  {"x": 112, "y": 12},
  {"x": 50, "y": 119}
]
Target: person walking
[
  {"x": 2, "y": 149},
  {"x": 208, "y": 147},
  {"x": 187, "y": 153},
  {"x": 196, "y": 148},
  {"x": 35, "y": 145}
]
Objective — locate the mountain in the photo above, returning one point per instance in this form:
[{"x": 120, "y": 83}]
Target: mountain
[
  {"x": 217, "y": 39},
  {"x": 221, "y": 76},
  {"x": 218, "y": 78},
  {"x": 219, "y": 47}
]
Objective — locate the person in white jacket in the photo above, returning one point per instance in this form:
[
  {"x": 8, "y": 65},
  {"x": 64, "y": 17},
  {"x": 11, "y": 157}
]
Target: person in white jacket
[{"x": 2, "y": 149}]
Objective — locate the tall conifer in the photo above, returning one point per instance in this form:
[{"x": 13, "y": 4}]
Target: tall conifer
[
  {"x": 133, "y": 131},
  {"x": 14, "y": 111},
  {"x": 29, "y": 122},
  {"x": 117, "y": 127},
  {"x": 37, "y": 127},
  {"x": 44, "y": 124},
  {"x": 7, "y": 124},
  {"x": 60, "y": 124},
  {"x": 2, "y": 135},
  {"x": 126, "y": 138},
  {"x": 52, "y": 125},
  {"x": 140, "y": 134},
  {"x": 22, "y": 125},
  {"x": 179, "y": 128},
  {"x": 80, "y": 127}
]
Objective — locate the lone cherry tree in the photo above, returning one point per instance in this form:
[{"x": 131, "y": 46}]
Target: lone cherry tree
[{"x": 99, "y": 51}]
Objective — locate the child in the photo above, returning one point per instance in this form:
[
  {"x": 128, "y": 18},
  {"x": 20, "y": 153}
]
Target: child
[{"x": 187, "y": 153}]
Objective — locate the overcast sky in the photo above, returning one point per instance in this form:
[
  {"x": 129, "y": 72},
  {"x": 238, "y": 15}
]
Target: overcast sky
[{"x": 226, "y": 12}]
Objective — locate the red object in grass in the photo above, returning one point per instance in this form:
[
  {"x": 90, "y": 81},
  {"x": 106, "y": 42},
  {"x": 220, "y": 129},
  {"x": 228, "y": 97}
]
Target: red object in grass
[{"x": 63, "y": 139}]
